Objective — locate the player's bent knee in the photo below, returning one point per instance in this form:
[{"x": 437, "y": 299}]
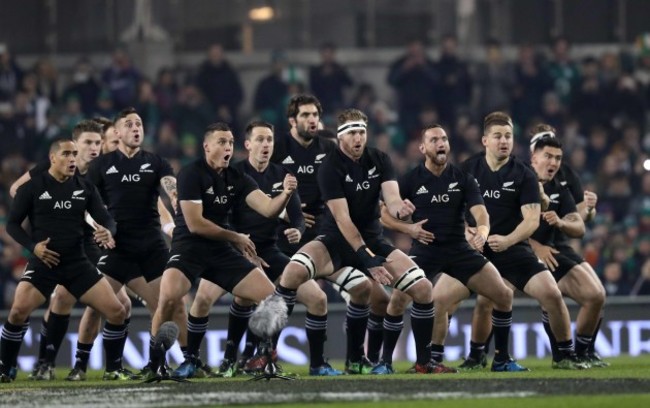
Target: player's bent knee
[
  {"x": 414, "y": 282},
  {"x": 304, "y": 262},
  {"x": 360, "y": 294}
]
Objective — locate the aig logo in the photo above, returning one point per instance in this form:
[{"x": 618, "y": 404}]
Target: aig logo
[
  {"x": 440, "y": 198},
  {"x": 309, "y": 169},
  {"x": 221, "y": 199},
  {"x": 60, "y": 205},
  {"x": 130, "y": 178},
  {"x": 496, "y": 194},
  {"x": 364, "y": 185}
]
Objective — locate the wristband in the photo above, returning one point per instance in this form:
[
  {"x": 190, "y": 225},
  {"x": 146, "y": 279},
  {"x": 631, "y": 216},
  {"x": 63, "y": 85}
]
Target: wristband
[
  {"x": 168, "y": 228},
  {"x": 369, "y": 259}
]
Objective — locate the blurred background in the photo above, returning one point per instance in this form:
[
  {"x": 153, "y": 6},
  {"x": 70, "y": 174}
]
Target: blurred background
[{"x": 583, "y": 67}]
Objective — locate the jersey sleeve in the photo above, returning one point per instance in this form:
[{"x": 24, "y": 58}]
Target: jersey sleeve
[
  {"x": 294, "y": 210},
  {"x": 529, "y": 188},
  {"x": 387, "y": 170},
  {"x": 575, "y": 186},
  {"x": 472, "y": 192},
  {"x": 21, "y": 206},
  {"x": 330, "y": 182},
  {"x": 189, "y": 184},
  {"x": 94, "y": 172},
  {"x": 97, "y": 210},
  {"x": 165, "y": 169},
  {"x": 248, "y": 185},
  {"x": 41, "y": 167},
  {"x": 405, "y": 186},
  {"x": 567, "y": 204}
]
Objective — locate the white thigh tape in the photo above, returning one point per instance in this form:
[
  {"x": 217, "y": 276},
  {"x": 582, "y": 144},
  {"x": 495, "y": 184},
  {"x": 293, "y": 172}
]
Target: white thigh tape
[
  {"x": 350, "y": 278},
  {"x": 409, "y": 278},
  {"x": 306, "y": 261}
]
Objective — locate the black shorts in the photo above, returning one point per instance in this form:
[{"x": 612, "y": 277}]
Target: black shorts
[
  {"x": 276, "y": 259},
  {"x": 459, "y": 260},
  {"x": 77, "y": 275},
  {"x": 568, "y": 251},
  {"x": 565, "y": 264},
  {"x": 93, "y": 252},
  {"x": 220, "y": 263},
  {"x": 125, "y": 266},
  {"x": 518, "y": 264},
  {"x": 343, "y": 255}
]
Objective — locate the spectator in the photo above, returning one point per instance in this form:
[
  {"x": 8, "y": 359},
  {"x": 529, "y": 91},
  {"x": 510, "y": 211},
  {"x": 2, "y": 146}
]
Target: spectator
[
  {"x": 220, "y": 84},
  {"x": 455, "y": 87},
  {"x": 563, "y": 72},
  {"x": 494, "y": 81},
  {"x": 11, "y": 76},
  {"x": 328, "y": 80},
  {"x": 414, "y": 77},
  {"x": 166, "y": 90},
  {"x": 147, "y": 107},
  {"x": 531, "y": 83},
  {"x": 121, "y": 79},
  {"x": 271, "y": 94},
  {"x": 613, "y": 280},
  {"x": 85, "y": 86}
]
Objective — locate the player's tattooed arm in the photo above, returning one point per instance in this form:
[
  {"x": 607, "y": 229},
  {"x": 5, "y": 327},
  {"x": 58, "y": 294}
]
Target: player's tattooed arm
[
  {"x": 572, "y": 224},
  {"x": 530, "y": 213},
  {"x": 168, "y": 184}
]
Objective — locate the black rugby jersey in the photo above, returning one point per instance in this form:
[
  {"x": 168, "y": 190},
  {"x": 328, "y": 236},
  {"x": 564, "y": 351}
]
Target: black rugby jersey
[
  {"x": 263, "y": 230},
  {"x": 359, "y": 183},
  {"x": 130, "y": 190},
  {"x": 42, "y": 167},
  {"x": 217, "y": 192},
  {"x": 56, "y": 210},
  {"x": 562, "y": 203},
  {"x": 570, "y": 180},
  {"x": 442, "y": 200},
  {"x": 504, "y": 191},
  {"x": 304, "y": 163}
]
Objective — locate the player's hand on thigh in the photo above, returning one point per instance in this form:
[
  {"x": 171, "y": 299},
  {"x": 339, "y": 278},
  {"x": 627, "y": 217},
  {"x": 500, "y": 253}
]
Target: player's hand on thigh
[{"x": 49, "y": 257}]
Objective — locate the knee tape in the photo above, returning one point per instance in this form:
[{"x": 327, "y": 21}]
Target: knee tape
[
  {"x": 409, "y": 278},
  {"x": 306, "y": 261}
]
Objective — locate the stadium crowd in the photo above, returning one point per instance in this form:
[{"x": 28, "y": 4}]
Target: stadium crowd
[{"x": 598, "y": 104}]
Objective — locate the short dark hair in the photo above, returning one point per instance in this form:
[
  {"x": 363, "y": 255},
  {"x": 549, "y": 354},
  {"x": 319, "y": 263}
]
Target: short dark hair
[
  {"x": 124, "y": 113},
  {"x": 86, "y": 125},
  {"x": 105, "y": 123},
  {"x": 256, "y": 123},
  {"x": 540, "y": 128},
  {"x": 216, "y": 127},
  {"x": 56, "y": 144},
  {"x": 496, "y": 119},
  {"x": 429, "y": 127},
  {"x": 302, "y": 99},
  {"x": 547, "y": 140},
  {"x": 351, "y": 114}
]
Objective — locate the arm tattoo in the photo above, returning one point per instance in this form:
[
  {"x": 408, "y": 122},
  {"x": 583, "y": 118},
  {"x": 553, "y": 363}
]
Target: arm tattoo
[
  {"x": 169, "y": 185},
  {"x": 572, "y": 217}
]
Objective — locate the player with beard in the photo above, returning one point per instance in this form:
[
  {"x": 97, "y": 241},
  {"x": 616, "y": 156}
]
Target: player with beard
[
  {"x": 203, "y": 245},
  {"x": 576, "y": 278},
  {"x": 56, "y": 202},
  {"x": 512, "y": 197},
  {"x": 128, "y": 180},
  {"x": 302, "y": 152},
  {"x": 441, "y": 193},
  {"x": 351, "y": 180}
]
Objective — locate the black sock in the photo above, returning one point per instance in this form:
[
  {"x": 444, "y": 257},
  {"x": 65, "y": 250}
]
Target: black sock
[
  {"x": 196, "y": 328},
  {"x": 551, "y": 337},
  {"x": 501, "y": 323},
  {"x": 582, "y": 344},
  {"x": 82, "y": 356},
  {"x": 488, "y": 341},
  {"x": 422, "y": 326},
  {"x": 126, "y": 334},
  {"x": 375, "y": 336},
  {"x": 113, "y": 334},
  {"x": 57, "y": 326},
  {"x": 184, "y": 351},
  {"x": 357, "y": 320},
  {"x": 592, "y": 345},
  {"x": 393, "y": 326},
  {"x": 10, "y": 341},
  {"x": 251, "y": 343},
  {"x": 476, "y": 350},
  {"x": 437, "y": 352},
  {"x": 289, "y": 296},
  {"x": 42, "y": 347},
  {"x": 316, "y": 328},
  {"x": 237, "y": 324},
  {"x": 564, "y": 349}
]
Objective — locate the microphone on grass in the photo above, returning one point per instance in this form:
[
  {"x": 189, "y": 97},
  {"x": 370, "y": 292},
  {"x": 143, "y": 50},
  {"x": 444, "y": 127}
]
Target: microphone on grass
[
  {"x": 269, "y": 318},
  {"x": 167, "y": 335}
]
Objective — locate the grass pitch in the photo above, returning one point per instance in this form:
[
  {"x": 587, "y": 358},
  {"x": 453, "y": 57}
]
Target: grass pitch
[{"x": 625, "y": 383}]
